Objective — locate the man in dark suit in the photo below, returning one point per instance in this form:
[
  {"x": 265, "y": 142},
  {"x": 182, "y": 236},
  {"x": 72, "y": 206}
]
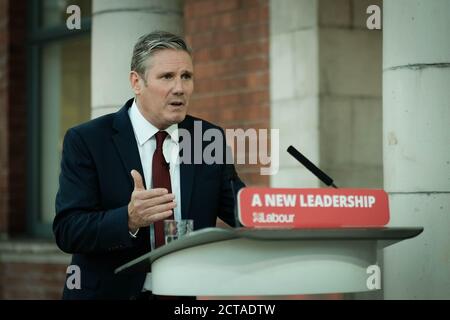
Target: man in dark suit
[{"x": 119, "y": 179}]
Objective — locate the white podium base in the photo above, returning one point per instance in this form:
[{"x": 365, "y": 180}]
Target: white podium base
[
  {"x": 252, "y": 267},
  {"x": 241, "y": 262}
]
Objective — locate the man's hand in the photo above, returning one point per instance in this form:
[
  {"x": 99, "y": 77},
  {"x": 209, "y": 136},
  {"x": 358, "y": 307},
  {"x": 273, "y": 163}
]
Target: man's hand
[{"x": 148, "y": 206}]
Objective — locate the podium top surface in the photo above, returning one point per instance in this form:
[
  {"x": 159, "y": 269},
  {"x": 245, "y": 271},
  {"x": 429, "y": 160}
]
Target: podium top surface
[{"x": 210, "y": 235}]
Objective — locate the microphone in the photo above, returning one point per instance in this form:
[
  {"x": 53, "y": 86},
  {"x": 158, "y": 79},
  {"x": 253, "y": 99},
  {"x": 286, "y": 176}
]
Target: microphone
[{"x": 311, "y": 167}]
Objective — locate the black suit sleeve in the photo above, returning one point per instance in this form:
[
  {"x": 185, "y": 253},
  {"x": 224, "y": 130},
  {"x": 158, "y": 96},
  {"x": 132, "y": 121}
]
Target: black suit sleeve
[
  {"x": 80, "y": 224},
  {"x": 227, "y": 199}
]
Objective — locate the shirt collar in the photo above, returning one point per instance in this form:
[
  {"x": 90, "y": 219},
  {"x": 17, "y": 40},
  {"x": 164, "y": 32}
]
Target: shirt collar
[{"x": 144, "y": 130}]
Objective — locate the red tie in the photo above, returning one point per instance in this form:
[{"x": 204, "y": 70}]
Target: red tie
[{"x": 160, "y": 179}]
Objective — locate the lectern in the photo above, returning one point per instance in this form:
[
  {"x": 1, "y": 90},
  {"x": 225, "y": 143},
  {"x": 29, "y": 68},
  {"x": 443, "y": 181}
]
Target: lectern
[{"x": 240, "y": 262}]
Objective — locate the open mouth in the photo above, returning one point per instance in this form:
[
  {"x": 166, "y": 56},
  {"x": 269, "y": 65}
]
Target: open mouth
[{"x": 176, "y": 104}]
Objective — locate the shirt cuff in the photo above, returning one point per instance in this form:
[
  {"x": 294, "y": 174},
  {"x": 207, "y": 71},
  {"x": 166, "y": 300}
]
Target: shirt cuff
[{"x": 134, "y": 235}]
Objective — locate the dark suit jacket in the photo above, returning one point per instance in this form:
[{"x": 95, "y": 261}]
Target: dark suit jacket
[{"x": 95, "y": 187}]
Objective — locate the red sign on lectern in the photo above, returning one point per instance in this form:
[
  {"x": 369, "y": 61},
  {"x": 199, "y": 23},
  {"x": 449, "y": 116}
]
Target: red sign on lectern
[{"x": 312, "y": 208}]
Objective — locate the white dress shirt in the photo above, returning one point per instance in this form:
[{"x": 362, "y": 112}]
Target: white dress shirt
[{"x": 145, "y": 132}]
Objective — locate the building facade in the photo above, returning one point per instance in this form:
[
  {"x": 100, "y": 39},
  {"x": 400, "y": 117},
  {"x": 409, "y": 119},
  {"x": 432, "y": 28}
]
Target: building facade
[{"x": 350, "y": 97}]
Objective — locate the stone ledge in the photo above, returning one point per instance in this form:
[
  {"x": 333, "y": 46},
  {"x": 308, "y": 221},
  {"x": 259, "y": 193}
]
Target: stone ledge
[{"x": 31, "y": 251}]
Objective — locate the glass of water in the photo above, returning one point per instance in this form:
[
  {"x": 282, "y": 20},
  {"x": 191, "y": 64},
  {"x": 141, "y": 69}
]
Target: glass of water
[{"x": 174, "y": 229}]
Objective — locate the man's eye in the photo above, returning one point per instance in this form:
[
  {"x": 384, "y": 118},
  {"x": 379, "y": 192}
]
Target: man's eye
[
  {"x": 187, "y": 76},
  {"x": 167, "y": 76}
]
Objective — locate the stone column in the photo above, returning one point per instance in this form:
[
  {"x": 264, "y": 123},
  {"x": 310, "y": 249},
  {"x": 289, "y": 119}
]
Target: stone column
[
  {"x": 116, "y": 25},
  {"x": 294, "y": 87},
  {"x": 416, "y": 145},
  {"x": 325, "y": 87}
]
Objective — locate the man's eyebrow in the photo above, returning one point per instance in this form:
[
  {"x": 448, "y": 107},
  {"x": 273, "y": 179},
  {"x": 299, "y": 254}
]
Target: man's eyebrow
[
  {"x": 166, "y": 72},
  {"x": 173, "y": 72}
]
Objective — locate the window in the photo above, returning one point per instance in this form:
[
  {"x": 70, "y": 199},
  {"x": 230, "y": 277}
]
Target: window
[{"x": 58, "y": 98}]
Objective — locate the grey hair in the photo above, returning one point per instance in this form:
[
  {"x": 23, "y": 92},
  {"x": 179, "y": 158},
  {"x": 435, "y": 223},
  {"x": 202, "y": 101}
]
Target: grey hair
[{"x": 147, "y": 45}]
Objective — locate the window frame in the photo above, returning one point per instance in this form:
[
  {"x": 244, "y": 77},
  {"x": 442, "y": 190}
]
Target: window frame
[{"x": 36, "y": 38}]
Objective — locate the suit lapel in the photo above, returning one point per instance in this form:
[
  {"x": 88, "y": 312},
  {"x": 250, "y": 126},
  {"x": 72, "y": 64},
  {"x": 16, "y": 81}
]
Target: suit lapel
[
  {"x": 125, "y": 142},
  {"x": 126, "y": 145},
  {"x": 187, "y": 173}
]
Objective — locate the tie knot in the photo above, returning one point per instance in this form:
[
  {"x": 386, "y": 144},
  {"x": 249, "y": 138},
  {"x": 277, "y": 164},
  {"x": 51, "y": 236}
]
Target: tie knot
[{"x": 160, "y": 137}]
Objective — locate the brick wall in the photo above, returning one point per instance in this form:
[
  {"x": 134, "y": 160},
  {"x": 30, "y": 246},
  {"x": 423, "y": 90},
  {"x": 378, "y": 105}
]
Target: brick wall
[
  {"x": 12, "y": 117},
  {"x": 17, "y": 116},
  {"x": 231, "y": 54},
  {"x": 18, "y": 280},
  {"x": 4, "y": 194},
  {"x": 31, "y": 280}
]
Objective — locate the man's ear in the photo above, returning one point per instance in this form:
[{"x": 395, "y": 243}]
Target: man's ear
[{"x": 135, "y": 82}]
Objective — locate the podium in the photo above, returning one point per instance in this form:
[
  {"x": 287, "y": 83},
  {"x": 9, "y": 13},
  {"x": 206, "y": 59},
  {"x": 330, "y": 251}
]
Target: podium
[{"x": 241, "y": 262}]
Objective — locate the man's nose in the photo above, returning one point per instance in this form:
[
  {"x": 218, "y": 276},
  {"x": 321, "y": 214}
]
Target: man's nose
[{"x": 178, "y": 88}]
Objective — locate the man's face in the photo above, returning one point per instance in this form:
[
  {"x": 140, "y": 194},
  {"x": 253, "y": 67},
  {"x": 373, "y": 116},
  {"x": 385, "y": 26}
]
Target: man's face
[{"x": 164, "y": 99}]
